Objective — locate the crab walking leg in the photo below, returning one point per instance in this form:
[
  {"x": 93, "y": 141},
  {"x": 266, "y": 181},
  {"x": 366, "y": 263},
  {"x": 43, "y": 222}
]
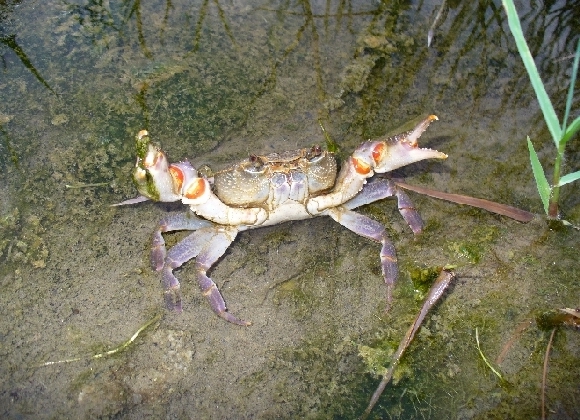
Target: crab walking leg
[
  {"x": 212, "y": 251},
  {"x": 408, "y": 211},
  {"x": 184, "y": 251},
  {"x": 384, "y": 188},
  {"x": 371, "y": 229},
  {"x": 181, "y": 221}
]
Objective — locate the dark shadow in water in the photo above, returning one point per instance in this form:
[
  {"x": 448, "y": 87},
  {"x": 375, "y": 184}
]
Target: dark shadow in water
[
  {"x": 136, "y": 9},
  {"x": 344, "y": 10},
  {"x": 199, "y": 25},
  {"x": 10, "y": 42},
  {"x": 471, "y": 47},
  {"x": 8, "y": 144},
  {"x": 479, "y": 30}
]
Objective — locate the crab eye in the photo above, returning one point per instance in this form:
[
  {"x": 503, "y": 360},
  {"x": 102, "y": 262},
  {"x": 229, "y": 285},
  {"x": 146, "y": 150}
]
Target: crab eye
[
  {"x": 378, "y": 152},
  {"x": 314, "y": 153},
  {"x": 204, "y": 171},
  {"x": 256, "y": 164}
]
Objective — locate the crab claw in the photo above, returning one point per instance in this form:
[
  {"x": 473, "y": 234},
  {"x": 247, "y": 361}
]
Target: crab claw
[
  {"x": 377, "y": 156},
  {"x": 154, "y": 177},
  {"x": 394, "y": 152}
]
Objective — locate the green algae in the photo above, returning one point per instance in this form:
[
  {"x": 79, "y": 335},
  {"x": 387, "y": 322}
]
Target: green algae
[
  {"x": 376, "y": 359},
  {"x": 21, "y": 241},
  {"x": 301, "y": 291},
  {"x": 475, "y": 248},
  {"x": 423, "y": 278},
  {"x": 315, "y": 362}
]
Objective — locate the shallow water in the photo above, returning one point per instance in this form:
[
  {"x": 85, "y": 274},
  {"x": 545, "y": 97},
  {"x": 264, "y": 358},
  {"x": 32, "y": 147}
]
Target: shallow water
[{"x": 213, "y": 82}]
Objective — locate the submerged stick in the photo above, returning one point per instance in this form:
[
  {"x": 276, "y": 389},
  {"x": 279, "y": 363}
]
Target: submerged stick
[
  {"x": 435, "y": 293},
  {"x": 520, "y": 329},
  {"x": 10, "y": 42},
  {"x": 498, "y": 208},
  {"x": 545, "y": 373},
  {"x": 112, "y": 351},
  {"x": 437, "y": 22},
  {"x": 81, "y": 185}
]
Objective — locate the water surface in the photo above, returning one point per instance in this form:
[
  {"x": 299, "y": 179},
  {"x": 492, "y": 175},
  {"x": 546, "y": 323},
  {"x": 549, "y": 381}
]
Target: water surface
[{"x": 213, "y": 82}]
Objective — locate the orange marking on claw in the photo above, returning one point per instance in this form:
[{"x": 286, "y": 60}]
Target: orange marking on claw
[
  {"x": 177, "y": 175},
  {"x": 379, "y": 152},
  {"x": 360, "y": 167},
  {"x": 195, "y": 189}
]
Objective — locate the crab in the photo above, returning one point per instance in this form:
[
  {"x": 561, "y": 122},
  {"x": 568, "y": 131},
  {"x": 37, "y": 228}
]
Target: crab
[{"x": 265, "y": 190}]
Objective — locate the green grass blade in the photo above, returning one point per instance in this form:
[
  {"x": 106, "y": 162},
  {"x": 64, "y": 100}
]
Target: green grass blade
[
  {"x": 541, "y": 181},
  {"x": 545, "y": 103},
  {"x": 570, "y": 131},
  {"x": 570, "y": 97},
  {"x": 485, "y": 358},
  {"x": 566, "y": 179}
]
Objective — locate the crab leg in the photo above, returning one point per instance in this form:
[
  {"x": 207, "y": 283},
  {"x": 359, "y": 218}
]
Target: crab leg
[
  {"x": 371, "y": 229},
  {"x": 207, "y": 245},
  {"x": 213, "y": 250},
  {"x": 384, "y": 188},
  {"x": 181, "y": 221},
  {"x": 184, "y": 251}
]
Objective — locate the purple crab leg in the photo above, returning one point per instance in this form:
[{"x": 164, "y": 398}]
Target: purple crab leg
[
  {"x": 384, "y": 188},
  {"x": 181, "y": 221},
  {"x": 207, "y": 245},
  {"x": 184, "y": 251},
  {"x": 214, "y": 249},
  {"x": 371, "y": 229}
]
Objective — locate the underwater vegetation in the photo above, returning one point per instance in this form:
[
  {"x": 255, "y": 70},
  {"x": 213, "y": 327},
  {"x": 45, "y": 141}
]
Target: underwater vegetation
[{"x": 561, "y": 133}]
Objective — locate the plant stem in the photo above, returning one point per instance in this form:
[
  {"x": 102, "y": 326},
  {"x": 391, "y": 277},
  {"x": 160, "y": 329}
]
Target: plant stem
[
  {"x": 555, "y": 196},
  {"x": 553, "y": 207}
]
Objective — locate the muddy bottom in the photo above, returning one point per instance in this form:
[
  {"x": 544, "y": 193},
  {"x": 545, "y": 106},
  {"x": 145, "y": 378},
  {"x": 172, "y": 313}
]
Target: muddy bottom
[{"x": 213, "y": 83}]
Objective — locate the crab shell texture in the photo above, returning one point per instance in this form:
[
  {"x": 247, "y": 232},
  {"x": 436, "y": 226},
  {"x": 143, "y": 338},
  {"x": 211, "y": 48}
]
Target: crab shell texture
[
  {"x": 267, "y": 190},
  {"x": 270, "y": 180}
]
